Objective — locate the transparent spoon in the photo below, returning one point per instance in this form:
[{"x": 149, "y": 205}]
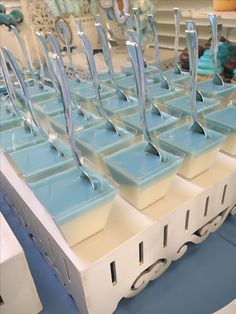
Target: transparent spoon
[
  {"x": 177, "y": 16},
  {"x": 93, "y": 72},
  {"x": 53, "y": 42},
  {"x": 214, "y": 49},
  {"x": 137, "y": 21},
  {"x": 192, "y": 43},
  {"x": 67, "y": 105},
  {"x": 107, "y": 57},
  {"x": 7, "y": 80},
  {"x": 135, "y": 53},
  {"x": 50, "y": 137},
  {"x": 153, "y": 25},
  {"x": 26, "y": 56},
  {"x": 63, "y": 27}
]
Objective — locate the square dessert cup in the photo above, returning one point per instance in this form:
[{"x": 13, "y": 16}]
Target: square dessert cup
[
  {"x": 77, "y": 209},
  {"x": 197, "y": 150},
  {"x": 142, "y": 177},
  {"x": 79, "y": 121},
  {"x": 8, "y": 119},
  {"x": 130, "y": 71},
  {"x": 128, "y": 84},
  {"x": 155, "y": 122},
  {"x": 234, "y": 102},
  {"x": 99, "y": 140},
  {"x": 51, "y": 107},
  {"x": 209, "y": 89},
  {"x": 74, "y": 84},
  {"x": 171, "y": 76},
  {"x": 221, "y": 120},
  {"x": 118, "y": 108},
  {"x": 38, "y": 161},
  {"x": 159, "y": 93},
  {"x": 106, "y": 78},
  {"x": 37, "y": 94},
  {"x": 17, "y": 138},
  {"x": 88, "y": 95},
  {"x": 182, "y": 105}
]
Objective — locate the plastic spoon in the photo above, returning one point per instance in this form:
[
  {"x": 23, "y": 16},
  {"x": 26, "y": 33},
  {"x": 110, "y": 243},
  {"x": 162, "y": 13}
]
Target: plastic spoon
[
  {"x": 25, "y": 55},
  {"x": 93, "y": 72},
  {"x": 192, "y": 43},
  {"x": 153, "y": 25},
  {"x": 108, "y": 60},
  {"x": 63, "y": 27},
  {"x": 137, "y": 21},
  {"x": 53, "y": 42},
  {"x": 50, "y": 137},
  {"x": 192, "y": 26},
  {"x": 6, "y": 77},
  {"x": 214, "y": 49},
  {"x": 67, "y": 104},
  {"x": 135, "y": 53},
  {"x": 177, "y": 16}
]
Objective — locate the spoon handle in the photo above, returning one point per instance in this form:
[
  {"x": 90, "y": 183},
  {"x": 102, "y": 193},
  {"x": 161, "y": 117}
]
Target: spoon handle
[
  {"x": 48, "y": 61},
  {"x": 28, "y": 100},
  {"x": 11, "y": 94},
  {"x": 93, "y": 72},
  {"x": 177, "y": 17},
  {"x": 135, "y": 53},
  {"x": 137, "y": 23},
  {"x": 24, "y": 50},
  {"x": 214, "y": 40},
  {"x": 153, "y": 26},
  {"x": 105, "y": 47}
]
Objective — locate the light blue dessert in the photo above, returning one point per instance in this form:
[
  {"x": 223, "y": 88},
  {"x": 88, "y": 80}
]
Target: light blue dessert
[
  {"x": 79, "y": 121},
  {"x": 209, "y": 89},
  {"x": 154, "y": 121},
  {"x": 41, "y": 160},
  {"x": 116, "y": 106},
  {"x": 158, "y": 93},
  {"x": 38, "y": 94},
  {"x": 89, "y": 94},
  {"x": 199, "y": 150},
  {"x": 142, "y": 177},
  {"x": 78, "y": 85},
  {"x": 8, "y": 119},
  {"x": 234, "y": 102},
  {"x": 106, "y": 77},
  {"x": 128, "y": 84},
  {"x": 101, "y": 140},
  {"x": 77, "y": 209},
  {"x": 17, "y": 138},
  {"x": 182, "y": 105},
  {"x": 130, "y": 71},
  {"x": 171, "y": 76},
  {"x": 225, "y": 118},
  {"x": 51, "y": 107}
]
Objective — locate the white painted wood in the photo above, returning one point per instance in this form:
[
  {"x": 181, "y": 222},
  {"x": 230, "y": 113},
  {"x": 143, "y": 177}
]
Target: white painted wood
[
  {"x": 162, "y": 228},
  {"x": 17, "y": 289}
]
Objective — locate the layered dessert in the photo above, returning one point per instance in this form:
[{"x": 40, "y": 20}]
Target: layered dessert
[
  {"x": 8, "y": 119},
  {"x": 18, "y": 138},
  {"x": 159, "y": 93},
  {"x": 79, "y": 121},
  {"x": 89, "y": 94},
  {"x": 198, "y": 150},
  {"x": 155, "y": 121},
  {"x": 225, "y": 118},
  {"x": 143, "y": 177},
  {"x": 41, "y": 160},
  {"x": 77, "y": 209},
  {"x": 116, "y": 106},
  {"x": 99, "y": 139},
  {"x": 38, "y": 94},
  {"x": 182, "y": 106},
  {"x": 128, "y": 84}
]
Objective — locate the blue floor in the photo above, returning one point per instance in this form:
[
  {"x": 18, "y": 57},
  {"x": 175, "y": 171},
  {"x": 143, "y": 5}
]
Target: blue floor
[{"x": 201, "y": 282}]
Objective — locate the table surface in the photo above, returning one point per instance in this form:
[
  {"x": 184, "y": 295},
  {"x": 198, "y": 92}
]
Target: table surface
[{"x": 201, "y": 282}]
